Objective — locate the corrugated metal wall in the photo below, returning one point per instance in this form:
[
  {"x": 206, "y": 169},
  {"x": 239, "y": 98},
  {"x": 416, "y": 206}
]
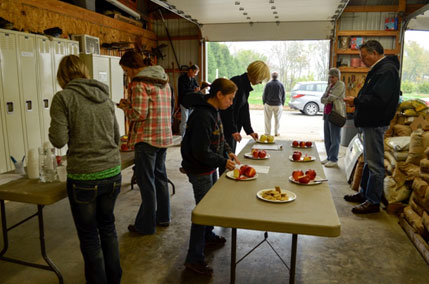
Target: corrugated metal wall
[
  {"x": 368, "y": 21},
  {"x": 185, "y": 38}
]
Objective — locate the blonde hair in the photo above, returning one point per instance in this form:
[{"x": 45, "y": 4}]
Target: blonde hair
[
  {"x": 71, "y": 67},
  {"x": 258, "y": 72}
]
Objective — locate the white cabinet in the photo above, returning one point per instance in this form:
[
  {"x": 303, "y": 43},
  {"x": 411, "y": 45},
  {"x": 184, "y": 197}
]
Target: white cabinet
[
  {"x": 106, "y": 69},
  {"x": 27, "y": 80},
  {"x": 117, "y": 90},
  {"x": 28, "y": 65},
  {"x": 45, "y": 84},
  {"x": 13, "y": 131}
]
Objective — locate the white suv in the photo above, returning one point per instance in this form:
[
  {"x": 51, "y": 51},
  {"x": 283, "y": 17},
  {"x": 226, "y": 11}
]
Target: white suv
[{"x": 305, "y": 97}]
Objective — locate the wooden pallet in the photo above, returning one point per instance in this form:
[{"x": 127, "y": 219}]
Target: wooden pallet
[{"x": 421, "y": 245}]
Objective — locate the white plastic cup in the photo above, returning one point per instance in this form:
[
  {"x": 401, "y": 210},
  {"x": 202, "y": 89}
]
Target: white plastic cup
[
  {"x": 62, "y": 173},
  {"x": 33, "y": 164}
]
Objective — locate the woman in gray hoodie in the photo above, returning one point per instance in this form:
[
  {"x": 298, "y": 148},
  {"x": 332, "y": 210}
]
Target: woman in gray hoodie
[{"x": 83, "y": 117}]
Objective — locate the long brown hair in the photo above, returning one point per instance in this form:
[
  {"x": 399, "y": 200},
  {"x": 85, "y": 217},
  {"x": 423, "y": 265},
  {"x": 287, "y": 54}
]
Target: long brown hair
[
  {"x": 132, "y": 59},
  {"x": 225, "y": 86}
]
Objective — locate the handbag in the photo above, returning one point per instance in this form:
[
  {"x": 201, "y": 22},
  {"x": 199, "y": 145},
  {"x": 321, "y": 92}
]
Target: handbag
[
  {"x": 336, "y": 119},
  {"x": 337, "y": 116}
]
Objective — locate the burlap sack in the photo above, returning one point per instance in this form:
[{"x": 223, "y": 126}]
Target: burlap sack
[
  {"x": 401, "y": 130},
  {"x": 357, "y": 176},
  {"x": 419, "y": 187},
  {"x": 416, "y": 208},
  {"x": 410, "y": 112},
  {"x": 422, "y": 201},
  {"x": 409, "y": 120},
  {"x": 405, "y": 105},
  {"x": 399, "y": 143},
  {"x": 401, "y": 120},
  {"x": 414, "y": 220},
  {"x": 424, "y": 165},
  {"x": 390, "y": 158},
  {"x": 411, "y": 171},
  {"x": 394, "y": 193},
  {"x": 400, "y": 156},
  {"x": 398, "y": 175},
  {"x": 388, "y": 167},
  {"x": 425, "y": 220},
  {"x": 417, "y": 148},
  {"x": 427, "y": 152}
]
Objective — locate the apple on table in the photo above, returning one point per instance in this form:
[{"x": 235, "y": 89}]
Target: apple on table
[
  {"x": 262, "y": 154},
  {"x": 255, "y": 153},
  {"x": 296, "y": 174},
  {"x": 243, "y": 169},
  {"x": 302, "y": 144},
  {"x": 311, "y": 174},
  {"x": 296, "y": 156},
  {"x": 304, "y": 179},
  {"x": 308, "y": 143},
  {"x": 250, "y": 172},
  {"x": 295, "y": 143}
]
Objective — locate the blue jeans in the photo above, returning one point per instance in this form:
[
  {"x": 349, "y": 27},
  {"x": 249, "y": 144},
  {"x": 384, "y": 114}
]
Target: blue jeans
[
  {"x": 372, "y": 181},
  {"x": 92, "y": 203},
  {"x": 185, "y": 113},
  {"x": 153, "y": 183},
  {"x": 332, "y": 140},
  {"x": 200, "y": 233}
]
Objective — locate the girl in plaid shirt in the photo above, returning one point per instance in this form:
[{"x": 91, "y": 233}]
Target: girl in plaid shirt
[{"x": 148, "y": 108}]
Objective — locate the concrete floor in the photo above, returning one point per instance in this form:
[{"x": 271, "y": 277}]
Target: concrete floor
[{"x": 371, "y": 249}]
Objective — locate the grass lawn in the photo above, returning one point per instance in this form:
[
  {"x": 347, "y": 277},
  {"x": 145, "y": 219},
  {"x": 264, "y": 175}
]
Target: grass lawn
[
  {"x": 255, "y": 98},
  {"x": 410, "y": 96}
]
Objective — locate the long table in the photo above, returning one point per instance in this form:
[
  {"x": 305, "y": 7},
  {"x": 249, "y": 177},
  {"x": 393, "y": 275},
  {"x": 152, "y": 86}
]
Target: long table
[
  {"x": 233, "y": 204},
  {"x": 32, "y": 191}
]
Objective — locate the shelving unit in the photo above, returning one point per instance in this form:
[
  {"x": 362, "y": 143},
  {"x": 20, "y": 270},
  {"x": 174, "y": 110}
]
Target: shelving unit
[{"x": 354, "y": 77}]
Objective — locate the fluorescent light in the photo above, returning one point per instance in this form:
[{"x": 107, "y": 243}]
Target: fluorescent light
[{"x": 125, "y": 8}]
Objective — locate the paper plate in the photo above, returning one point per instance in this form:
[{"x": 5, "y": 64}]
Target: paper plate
[
  {"x": 250, "y": 156},
  {"x": 230, "y": 175},
  {"x": 317, "y": 180},
  {"x": 290, "y": 194},
  {"x": 266, "y": 142},
  {"x": 312, "y": 158}
]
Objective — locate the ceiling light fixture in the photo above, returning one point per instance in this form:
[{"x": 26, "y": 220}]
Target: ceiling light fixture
[
  {"x": 273, "y": 7},
  {"x": 245, "y": 14},
  {"x": 271, "y": 1},
  {"x": 237, "y": 3},
  {"x": 248, "y": 18},
  {"x": 277, "y": 23},
  {"x": 275, "y": 13},
  {"x": 241, "y": 9},
  {"x": 180, "y": 12}
]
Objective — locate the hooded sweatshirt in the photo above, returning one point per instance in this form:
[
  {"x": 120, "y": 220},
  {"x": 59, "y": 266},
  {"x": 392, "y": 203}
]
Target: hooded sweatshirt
[
  {"x": 378, "y": 99},
  {"x": 149, "y": 108},
  {"x": 83, "y": 117},
  {"x": 203, "y": 147}
]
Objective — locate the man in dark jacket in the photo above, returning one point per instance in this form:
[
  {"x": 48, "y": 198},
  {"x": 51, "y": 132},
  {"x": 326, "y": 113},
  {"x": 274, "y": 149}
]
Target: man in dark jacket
[
  {"x": 273, "y": 100},
  {"x": 375, "y": 105},
  {"x": 187, "y": 84}
]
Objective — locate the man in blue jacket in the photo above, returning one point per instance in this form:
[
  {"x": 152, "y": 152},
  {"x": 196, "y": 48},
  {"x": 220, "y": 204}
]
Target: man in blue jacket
[{"x": 375, "y": 105}]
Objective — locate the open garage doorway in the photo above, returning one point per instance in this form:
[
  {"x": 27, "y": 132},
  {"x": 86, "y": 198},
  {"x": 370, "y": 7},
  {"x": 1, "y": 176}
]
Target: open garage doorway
[{"x": 295, "y": 61}]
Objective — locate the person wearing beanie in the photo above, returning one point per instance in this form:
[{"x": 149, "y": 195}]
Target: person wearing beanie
[{"x": 333, "y": 99}]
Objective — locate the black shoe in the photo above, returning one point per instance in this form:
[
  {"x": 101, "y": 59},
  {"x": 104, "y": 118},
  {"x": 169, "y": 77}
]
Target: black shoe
[
  {"x": 366, "y": 208},
  {"x": 358, "y": 198},
  {"x": 199, "y": 267},
  {"x": 132, "y": 229},
  {"x": 163, "y": 224},
  {"x": 217, "y": 241}
]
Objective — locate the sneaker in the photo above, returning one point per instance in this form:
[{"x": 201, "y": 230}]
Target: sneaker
[
  {"x": 199, "y": 267},
  {"x": 330, "y": 164},
  {"x": 217, "y": 241},
  {"x": 366, "y": 208},
  {"x": 132, "y": 229},
  {"x": 324, "y": 161}
]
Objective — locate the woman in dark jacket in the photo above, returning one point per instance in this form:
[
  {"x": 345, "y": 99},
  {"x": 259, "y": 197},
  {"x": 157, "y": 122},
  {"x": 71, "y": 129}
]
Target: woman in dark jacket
[{"x": 204, "y": 150}]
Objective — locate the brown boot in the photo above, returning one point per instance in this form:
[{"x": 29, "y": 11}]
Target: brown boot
[{"x": 366, "y": 208}]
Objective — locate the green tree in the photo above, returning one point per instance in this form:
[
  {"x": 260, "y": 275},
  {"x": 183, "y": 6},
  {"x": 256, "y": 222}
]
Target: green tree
[{"x": 416, "y": 62}]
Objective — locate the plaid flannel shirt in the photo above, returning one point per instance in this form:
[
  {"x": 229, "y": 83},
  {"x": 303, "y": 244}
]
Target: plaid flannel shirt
[{"x": 149, "y": 113}]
